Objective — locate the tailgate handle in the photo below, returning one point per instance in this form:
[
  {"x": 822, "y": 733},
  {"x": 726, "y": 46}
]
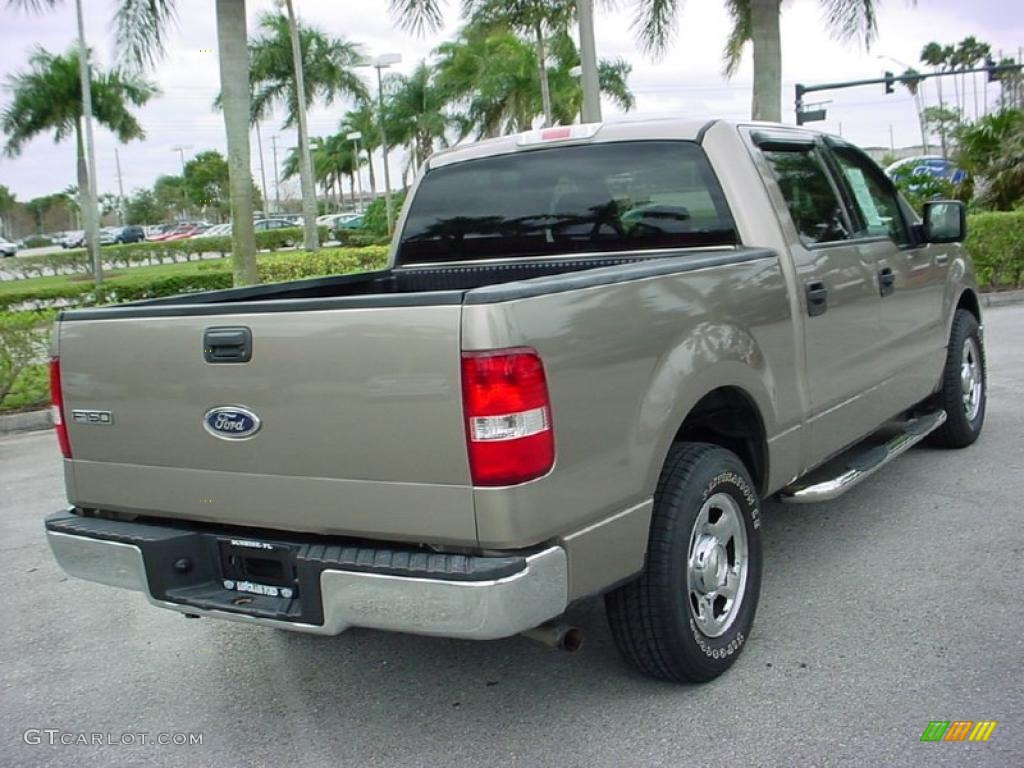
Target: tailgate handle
[{"x": 227, "y": 345}]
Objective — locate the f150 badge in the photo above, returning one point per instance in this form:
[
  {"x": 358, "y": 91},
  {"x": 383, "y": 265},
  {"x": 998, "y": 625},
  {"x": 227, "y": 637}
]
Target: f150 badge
[{"x": 231, "y": 422}]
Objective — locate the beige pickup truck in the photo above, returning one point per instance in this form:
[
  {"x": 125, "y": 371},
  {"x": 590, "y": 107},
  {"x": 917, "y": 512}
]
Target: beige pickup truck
[{"x": 595, "y": 350}]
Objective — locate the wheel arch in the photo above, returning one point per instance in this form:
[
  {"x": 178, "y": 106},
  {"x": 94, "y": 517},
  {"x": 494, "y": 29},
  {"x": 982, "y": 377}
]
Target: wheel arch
[{"x": 730, "y": 407}]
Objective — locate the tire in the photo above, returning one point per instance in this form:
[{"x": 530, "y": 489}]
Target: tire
[
  {"x": 964, "y": 389},
  {"x": 654, "y": 619}
]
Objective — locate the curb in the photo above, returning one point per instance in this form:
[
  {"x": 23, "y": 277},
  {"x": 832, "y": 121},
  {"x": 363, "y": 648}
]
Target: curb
[
  {"x": 1002, "y": 298},
  {"x": 26, "y": 422}
]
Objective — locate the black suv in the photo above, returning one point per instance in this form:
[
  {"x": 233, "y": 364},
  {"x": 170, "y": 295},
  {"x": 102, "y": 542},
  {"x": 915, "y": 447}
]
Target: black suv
[{"x": 131, "y": 234}]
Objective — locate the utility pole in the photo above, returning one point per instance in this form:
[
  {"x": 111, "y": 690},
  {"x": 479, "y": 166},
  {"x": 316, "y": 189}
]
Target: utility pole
[
  {"x": 87, "y": 196},
  {"x": 277, "y": 182},
  {"x": 588, "y": 62},
  {"x": 263, "y": 173},
  {"x": 120, "y": 184}
]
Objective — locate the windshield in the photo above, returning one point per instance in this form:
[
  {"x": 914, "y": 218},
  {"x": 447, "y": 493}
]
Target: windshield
[{"x": 592, "y": 198}]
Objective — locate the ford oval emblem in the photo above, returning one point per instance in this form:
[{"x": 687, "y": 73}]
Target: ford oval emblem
[{"x": 231, "y": 422}]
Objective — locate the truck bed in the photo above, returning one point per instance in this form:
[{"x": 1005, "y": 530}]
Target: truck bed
[{"x": 422, "y": 286}]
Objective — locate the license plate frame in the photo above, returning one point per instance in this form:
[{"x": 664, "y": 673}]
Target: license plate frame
[{"x": 250, "y": 566}]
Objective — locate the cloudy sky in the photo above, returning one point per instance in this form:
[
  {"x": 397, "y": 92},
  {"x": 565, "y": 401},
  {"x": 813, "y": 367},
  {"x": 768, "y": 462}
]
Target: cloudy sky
[{"x": 687, "y": 81}]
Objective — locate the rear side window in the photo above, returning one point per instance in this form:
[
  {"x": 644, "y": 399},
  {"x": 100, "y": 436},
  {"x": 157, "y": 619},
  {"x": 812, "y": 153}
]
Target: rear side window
[
  {"x": 593, "y": 198},
  {"x": 812, "y": 200}
]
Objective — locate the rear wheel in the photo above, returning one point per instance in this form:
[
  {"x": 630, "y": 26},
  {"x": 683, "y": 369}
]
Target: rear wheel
[
  {"x": 964, "y": 385},
  {"x": 688, "y": 615}
]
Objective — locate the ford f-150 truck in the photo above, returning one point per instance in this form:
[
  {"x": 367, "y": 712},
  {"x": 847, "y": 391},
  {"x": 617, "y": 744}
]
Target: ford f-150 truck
[{"x": 595, "y": 350}]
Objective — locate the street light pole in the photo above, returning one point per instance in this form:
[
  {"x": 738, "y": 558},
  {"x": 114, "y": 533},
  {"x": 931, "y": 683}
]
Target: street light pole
[
  {"x": 354, "y": 137},
  {"x": 277, "y": 181},
  {"x": 184, "y": 195},
  {"x": 87, "y": 196},
  {"x": 383, "y": 62},
  {"x": 120, "y": 185},
  {"x": 263, "y": 171}
]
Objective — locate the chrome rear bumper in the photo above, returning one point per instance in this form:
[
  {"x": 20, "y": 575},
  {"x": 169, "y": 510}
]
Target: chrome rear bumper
[{"x": 479, "y": 610}]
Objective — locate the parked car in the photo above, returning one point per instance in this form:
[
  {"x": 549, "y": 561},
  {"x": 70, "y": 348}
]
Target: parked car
[
  {"x": 130, "y": 234},
  {"x": 7, "y": 248},
  {"x": 544, "y": 397},
  {"x": 217, "y": 230},
  {"x": 330, "y": 219},
  {"x": 108, "y": 235},
  {"x": 928, "y": 165},
  {"x": 265, "y": 225},
  {"x": 180, "y": 231},
  {"x": 73, "y": 239},
  {"x": 348, "y": 224}
]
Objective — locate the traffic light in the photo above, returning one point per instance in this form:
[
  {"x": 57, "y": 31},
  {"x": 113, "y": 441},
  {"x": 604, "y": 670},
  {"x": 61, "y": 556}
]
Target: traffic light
[{"x": 890, "y": 82}]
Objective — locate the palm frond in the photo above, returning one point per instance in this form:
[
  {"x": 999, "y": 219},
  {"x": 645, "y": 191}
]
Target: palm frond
[
  {"x": 417, "y": 16},
  {"x": 139, "y": 29},
  {"x": 33, "y": 5},
  {"x": 655, "y": 25},
  {"x": 848, "y": 19},
  {"x": 740, "y": 34}
]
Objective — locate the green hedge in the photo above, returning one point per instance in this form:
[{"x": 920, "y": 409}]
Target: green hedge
[
  {"x": 996, "y": 244},
  {"x": 139, "y": 254},
  {"x": 134, "y": 285},
  {"x": 24, "y": 340}
]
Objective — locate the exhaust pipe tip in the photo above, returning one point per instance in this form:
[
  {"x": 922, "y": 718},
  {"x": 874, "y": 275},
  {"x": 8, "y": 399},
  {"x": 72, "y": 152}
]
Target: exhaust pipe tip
[{"x": 556, "y": 634}]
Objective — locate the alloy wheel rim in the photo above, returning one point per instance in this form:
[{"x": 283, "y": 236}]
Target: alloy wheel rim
[
  {"x": 717, "y": 564},
  {"x": 972, "y": 380}
]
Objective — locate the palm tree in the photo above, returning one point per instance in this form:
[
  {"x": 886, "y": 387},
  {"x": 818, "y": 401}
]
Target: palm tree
[
  {"x": 936, "y": 57},
  {"x": 612, "y": 77},
  {"x": 489, "y": 77},
  {"x": 538, "y": 18},
  {"x": 414, "y": 112},
  {"x": 140, "y": 26},
  {"x": 952, "y": 58},
  {"x": 363, "y": 120},
  {"x": 912, "y": 80},
  {"x": 333, "y": 160},
  {"x": 48, "y": 97},
  {"x": 757, "y": 22},
  {"x": 327, "y": 69}
]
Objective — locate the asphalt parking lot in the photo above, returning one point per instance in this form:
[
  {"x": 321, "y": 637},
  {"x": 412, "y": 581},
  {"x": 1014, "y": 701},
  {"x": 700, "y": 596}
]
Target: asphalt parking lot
[{"x": 897, "y": 604}]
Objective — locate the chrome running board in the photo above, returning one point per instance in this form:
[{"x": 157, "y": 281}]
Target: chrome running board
[{"x": 841, "y": 474}]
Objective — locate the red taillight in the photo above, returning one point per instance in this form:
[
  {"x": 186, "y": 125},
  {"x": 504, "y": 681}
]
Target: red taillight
[
  {"x": 57, "y": 400},
  {"x": 508, "y": 416}
]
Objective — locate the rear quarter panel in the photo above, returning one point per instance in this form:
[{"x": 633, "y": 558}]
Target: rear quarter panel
[{"x": 625, "y": 364}]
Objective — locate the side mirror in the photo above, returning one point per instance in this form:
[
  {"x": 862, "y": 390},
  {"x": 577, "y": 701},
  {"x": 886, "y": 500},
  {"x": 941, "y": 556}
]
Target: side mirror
[{"x": 945, "y": 221}]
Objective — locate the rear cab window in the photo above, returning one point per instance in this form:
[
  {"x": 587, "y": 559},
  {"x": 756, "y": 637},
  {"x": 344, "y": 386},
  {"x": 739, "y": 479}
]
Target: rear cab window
[{"x": 593, "y": 198}]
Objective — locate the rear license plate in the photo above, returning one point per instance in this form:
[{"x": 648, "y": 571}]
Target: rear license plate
[{"x": 258, "y": 568}]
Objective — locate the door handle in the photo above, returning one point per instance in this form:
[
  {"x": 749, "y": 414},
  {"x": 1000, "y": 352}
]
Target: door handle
[
  {"x": 886, "y": 281},
  {"x": 817, "y": 297},
  {"x": 227, "y": 345}
]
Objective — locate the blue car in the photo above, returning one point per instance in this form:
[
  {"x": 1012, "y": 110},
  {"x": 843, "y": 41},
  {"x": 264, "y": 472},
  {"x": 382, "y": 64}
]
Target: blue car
[{"x": 932, "y": 165}]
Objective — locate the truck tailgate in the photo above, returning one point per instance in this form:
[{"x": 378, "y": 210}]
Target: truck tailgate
[{"x": 361, "y": 427}]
